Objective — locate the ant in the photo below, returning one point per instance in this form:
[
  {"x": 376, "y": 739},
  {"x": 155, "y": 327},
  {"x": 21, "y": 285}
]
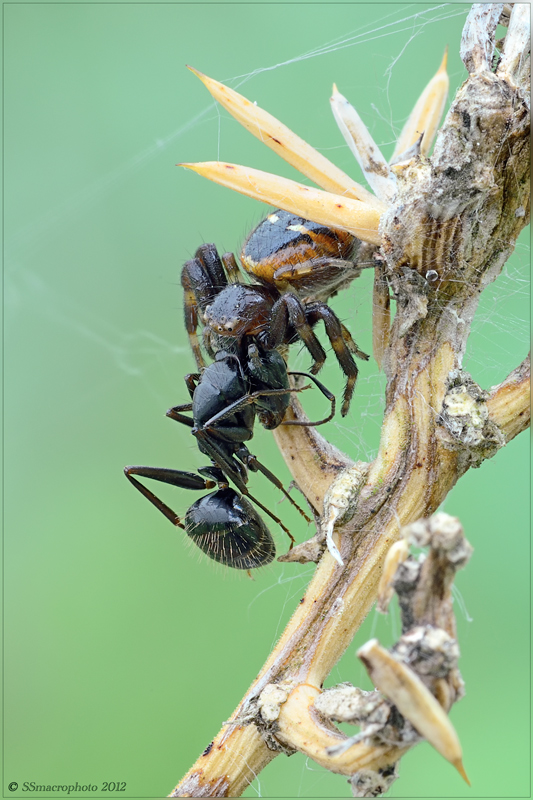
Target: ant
[
  {"x": 226, "y": 398},
  {"x": 300, "y": 256}
]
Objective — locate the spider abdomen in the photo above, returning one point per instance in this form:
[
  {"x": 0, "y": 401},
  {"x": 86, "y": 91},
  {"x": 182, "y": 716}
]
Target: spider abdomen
[{"x": 283, "y": 241}]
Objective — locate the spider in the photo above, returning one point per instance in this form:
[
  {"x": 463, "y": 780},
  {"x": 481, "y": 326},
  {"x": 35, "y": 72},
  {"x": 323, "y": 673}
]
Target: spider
[{"x": 270, "y": 314}]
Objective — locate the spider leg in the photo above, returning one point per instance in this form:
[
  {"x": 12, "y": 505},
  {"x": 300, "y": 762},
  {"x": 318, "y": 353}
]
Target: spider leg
[
  {"x": 352, "y": 346},
  {"x": 195, "y": 284},
  {"x": 208, "y": 256},
  {"x": 232, "y": 268},
  {"x": 334, "y": 331},
  {"x": 332, "y": 273},
  {"x": 202, "y": 278},
  {"x": 209, "y": 341},
  {"x": 289, "y": 310}
]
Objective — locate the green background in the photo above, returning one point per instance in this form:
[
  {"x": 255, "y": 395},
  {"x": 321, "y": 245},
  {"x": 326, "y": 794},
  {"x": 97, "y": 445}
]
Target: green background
[{"x": 124, "y": 648}]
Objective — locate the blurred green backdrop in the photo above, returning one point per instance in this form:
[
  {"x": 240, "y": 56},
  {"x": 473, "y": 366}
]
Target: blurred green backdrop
[{"x": 124, "y": 649}]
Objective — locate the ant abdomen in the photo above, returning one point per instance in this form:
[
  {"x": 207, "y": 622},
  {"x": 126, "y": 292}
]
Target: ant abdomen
[{"x": 227, "y": 528}]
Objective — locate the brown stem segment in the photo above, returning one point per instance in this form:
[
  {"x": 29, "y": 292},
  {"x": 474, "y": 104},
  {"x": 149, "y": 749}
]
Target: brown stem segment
[{"x": 509, "y": 404}]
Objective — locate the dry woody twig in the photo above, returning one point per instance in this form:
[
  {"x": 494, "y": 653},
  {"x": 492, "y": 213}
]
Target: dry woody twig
[{"x": 440, "y": 229}]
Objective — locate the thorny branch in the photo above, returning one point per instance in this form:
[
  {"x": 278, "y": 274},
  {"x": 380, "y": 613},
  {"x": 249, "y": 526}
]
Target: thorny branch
[{"x": 445, "y": 233}]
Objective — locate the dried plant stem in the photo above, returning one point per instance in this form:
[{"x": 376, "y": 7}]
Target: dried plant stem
[
  {"x": 338, "y": 599},
  {"x": 457, "y": 216},
  {"x": 509, "y": 404}
]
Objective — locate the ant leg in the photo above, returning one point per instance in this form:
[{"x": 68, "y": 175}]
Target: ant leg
[
  {"x": 273, "y": 517},
  {"x": 173, "y": 477},
  {"x": 237, "y": 405},
  {"x": 247, "y": 400},
  {"x": 334, "y": 332},
  {"x": 326, "y": 392},
  {"x": 230, "y": 470},
  {"x": 174, "y": 413},
  {"x": 256, "y": 466},
  {"x": 222, "y": 459},
  {"x": 191, "y": 382}
]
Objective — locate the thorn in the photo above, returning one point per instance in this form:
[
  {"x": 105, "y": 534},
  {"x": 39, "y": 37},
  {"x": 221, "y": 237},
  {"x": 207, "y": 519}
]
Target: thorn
[
  {"x": 461, "y": 770},
  {"x": 426, "y": 115},
  {"x": 414, "y": 701},
  {"x": 364, "y": 148},
  {"x": 196, "y": 72},
  {"x": 331, "y": 210},
  {"x": 444, "y": 62},
  {"x": 285, "y": 143},
  {"x": 396, "y": 556},
  {"x": 517, "y": 42}
]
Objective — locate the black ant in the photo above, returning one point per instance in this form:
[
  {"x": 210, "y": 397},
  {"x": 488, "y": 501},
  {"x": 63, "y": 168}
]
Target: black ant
[
  {"x": 226, "y": 398},
  {"x": 272, "y": 314}
]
